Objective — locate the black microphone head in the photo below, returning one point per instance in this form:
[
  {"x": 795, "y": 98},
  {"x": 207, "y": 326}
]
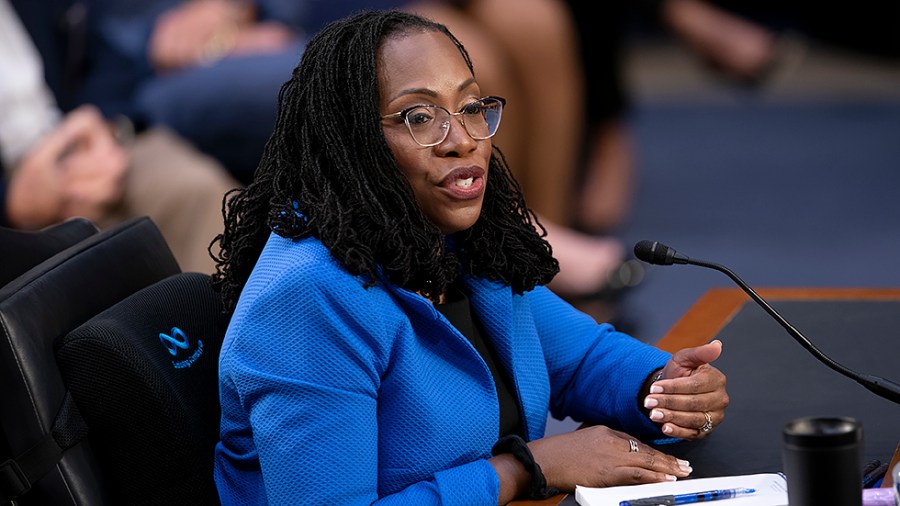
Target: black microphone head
[
  {"x": 654, "y": 252},
  {"x": 643, "y": 250}
]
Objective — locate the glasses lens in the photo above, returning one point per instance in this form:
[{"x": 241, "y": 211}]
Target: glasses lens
[
  {"x": 482, "y": 117},
  {"x": 428, "y": 125}
]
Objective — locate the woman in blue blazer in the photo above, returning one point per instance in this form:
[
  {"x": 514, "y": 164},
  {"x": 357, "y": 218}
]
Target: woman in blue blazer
[{"x": 391, "y": 340}]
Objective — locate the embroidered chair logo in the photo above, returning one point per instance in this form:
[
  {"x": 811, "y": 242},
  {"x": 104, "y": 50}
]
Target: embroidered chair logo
[{"x": 179, "y": 346}]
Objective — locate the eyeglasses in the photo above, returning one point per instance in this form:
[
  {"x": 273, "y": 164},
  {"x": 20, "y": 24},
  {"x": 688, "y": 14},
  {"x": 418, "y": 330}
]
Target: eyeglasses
[{"x": 429, "y": 124}]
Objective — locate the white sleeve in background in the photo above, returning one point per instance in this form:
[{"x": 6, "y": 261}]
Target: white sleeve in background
[{"x": 27, "y": 107}]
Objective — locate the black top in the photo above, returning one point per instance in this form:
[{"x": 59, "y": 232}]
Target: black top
[{"x": 458, "y": 310}]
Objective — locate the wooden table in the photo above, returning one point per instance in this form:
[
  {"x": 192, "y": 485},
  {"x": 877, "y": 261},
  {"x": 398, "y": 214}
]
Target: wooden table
[{"x": 718, "y": 306}]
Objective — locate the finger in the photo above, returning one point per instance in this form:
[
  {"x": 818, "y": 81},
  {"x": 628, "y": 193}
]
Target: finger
[
  {"x": 706, "y": 378},
  {"x": 705, "y": 401},
  {"x": 626, "y": 475},
  {"x": 689, "y": 433},
  {"x": 652, "y": 459},
  {"x": 85, "y": 117},
  {"x": 685, "y": 409},
  {"x": 687, "y": 424},
  {"x": 73, "y": 129},
  {"x": 688, "y": 420},
  {"x": 691, "y": 358}
]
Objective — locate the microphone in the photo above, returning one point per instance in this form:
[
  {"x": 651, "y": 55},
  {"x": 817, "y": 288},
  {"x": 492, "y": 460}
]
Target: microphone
[{"x": 656, "y": 253}]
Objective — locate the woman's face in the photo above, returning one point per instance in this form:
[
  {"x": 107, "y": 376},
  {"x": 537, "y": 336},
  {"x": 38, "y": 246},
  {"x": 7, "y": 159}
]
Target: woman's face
[{"x": 448, "y": 179}]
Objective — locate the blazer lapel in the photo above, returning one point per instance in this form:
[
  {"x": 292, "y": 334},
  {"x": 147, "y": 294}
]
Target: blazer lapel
[{"x": 509, "y": 325}]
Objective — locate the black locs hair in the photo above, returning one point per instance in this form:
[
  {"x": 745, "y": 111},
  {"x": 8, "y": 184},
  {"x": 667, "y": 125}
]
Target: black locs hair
[{"x": 327, "y": 171}]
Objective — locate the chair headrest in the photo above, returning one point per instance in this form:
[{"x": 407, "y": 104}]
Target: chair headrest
[{"x": 144, "y": 375}]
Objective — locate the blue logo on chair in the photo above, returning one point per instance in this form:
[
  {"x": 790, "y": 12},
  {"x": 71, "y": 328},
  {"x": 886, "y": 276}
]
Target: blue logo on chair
[{"x": 178, "y": 342}]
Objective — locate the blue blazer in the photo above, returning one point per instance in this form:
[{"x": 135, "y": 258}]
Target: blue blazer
[{"x": 333, "y": 393}]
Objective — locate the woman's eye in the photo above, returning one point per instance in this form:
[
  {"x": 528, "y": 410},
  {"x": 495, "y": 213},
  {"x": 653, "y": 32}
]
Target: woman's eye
[
  {"x": 420, "y": 116},
  {"x": 473, "y": 109}
]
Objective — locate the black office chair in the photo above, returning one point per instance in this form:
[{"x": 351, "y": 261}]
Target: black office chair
[
  {"x": 37, "y": 308},
  {"x": 21, "y": 250},
  {"x": 144, "y": 376}
]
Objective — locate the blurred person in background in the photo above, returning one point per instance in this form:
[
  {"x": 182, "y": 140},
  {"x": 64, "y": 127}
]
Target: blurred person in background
[{"x": 60, "y": 164}]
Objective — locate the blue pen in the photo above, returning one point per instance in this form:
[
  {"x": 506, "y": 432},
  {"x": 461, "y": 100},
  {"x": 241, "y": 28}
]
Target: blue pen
[{"x": 709, "y": 495}]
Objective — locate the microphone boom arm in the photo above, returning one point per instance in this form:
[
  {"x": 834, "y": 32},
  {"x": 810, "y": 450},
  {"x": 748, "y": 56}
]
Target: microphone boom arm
[
  {"x": 799, "y": 337},
  {"x": 659, "y": 254},
  {"x": 880, "y": 386}
]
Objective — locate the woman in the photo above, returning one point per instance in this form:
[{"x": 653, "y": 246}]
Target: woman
[{"x": 390, "y": 326}]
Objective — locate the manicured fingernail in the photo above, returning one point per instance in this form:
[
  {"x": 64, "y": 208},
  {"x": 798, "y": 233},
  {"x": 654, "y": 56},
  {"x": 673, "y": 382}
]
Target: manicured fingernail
[
  {"x": 670, "y": 477},
  {"x": 650, "y": 402},
  {"x": 667, "y": 429},
  {"x": 656, "y": 389},
  {"x": 656, "y": 415},
  {"x": 684, "y": 467},
  {"x": 683, "y": 462}
]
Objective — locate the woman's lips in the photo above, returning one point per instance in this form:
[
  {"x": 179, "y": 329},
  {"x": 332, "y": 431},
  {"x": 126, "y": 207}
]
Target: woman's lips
[{"x": 464, "y": 183}]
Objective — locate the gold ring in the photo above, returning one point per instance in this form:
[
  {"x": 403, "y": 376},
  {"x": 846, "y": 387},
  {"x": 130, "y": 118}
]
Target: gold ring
[
  {"x": 632, "y": 444},
  {"x": 708, "y": 425}
]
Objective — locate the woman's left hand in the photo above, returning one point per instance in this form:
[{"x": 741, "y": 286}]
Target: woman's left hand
[{"x": 690, "y": 398}]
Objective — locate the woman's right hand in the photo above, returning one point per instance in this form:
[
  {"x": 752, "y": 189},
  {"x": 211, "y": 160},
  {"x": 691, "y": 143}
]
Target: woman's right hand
[{"x": 598, "y": 456}]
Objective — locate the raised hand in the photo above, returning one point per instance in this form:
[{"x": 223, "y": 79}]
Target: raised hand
[{"x": 690, "y": 398}]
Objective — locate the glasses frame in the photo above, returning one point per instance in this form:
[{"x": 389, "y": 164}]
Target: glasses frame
[{"x": 405, "y": 112}]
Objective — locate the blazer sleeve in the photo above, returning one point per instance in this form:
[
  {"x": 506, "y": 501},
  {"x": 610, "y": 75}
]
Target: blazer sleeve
[{"x": 596, "y": 372}]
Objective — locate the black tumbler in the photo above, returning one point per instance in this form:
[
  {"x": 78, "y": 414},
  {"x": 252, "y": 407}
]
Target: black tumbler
[{"x": 821, "y": 460}]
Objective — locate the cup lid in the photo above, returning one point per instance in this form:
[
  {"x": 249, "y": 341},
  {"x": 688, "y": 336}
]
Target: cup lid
[{"x": 823, "y": 431}]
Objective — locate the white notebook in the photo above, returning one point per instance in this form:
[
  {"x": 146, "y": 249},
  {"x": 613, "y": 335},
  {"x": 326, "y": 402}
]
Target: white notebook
[{"x": 771, "y": 490}]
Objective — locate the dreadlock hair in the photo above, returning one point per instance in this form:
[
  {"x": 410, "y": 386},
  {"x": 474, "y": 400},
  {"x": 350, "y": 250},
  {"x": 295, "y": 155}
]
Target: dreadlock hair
[{"x": 327, "y": 171}]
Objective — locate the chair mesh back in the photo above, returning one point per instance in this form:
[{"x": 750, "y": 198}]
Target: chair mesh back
[{"x": 144, "y": 376}]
